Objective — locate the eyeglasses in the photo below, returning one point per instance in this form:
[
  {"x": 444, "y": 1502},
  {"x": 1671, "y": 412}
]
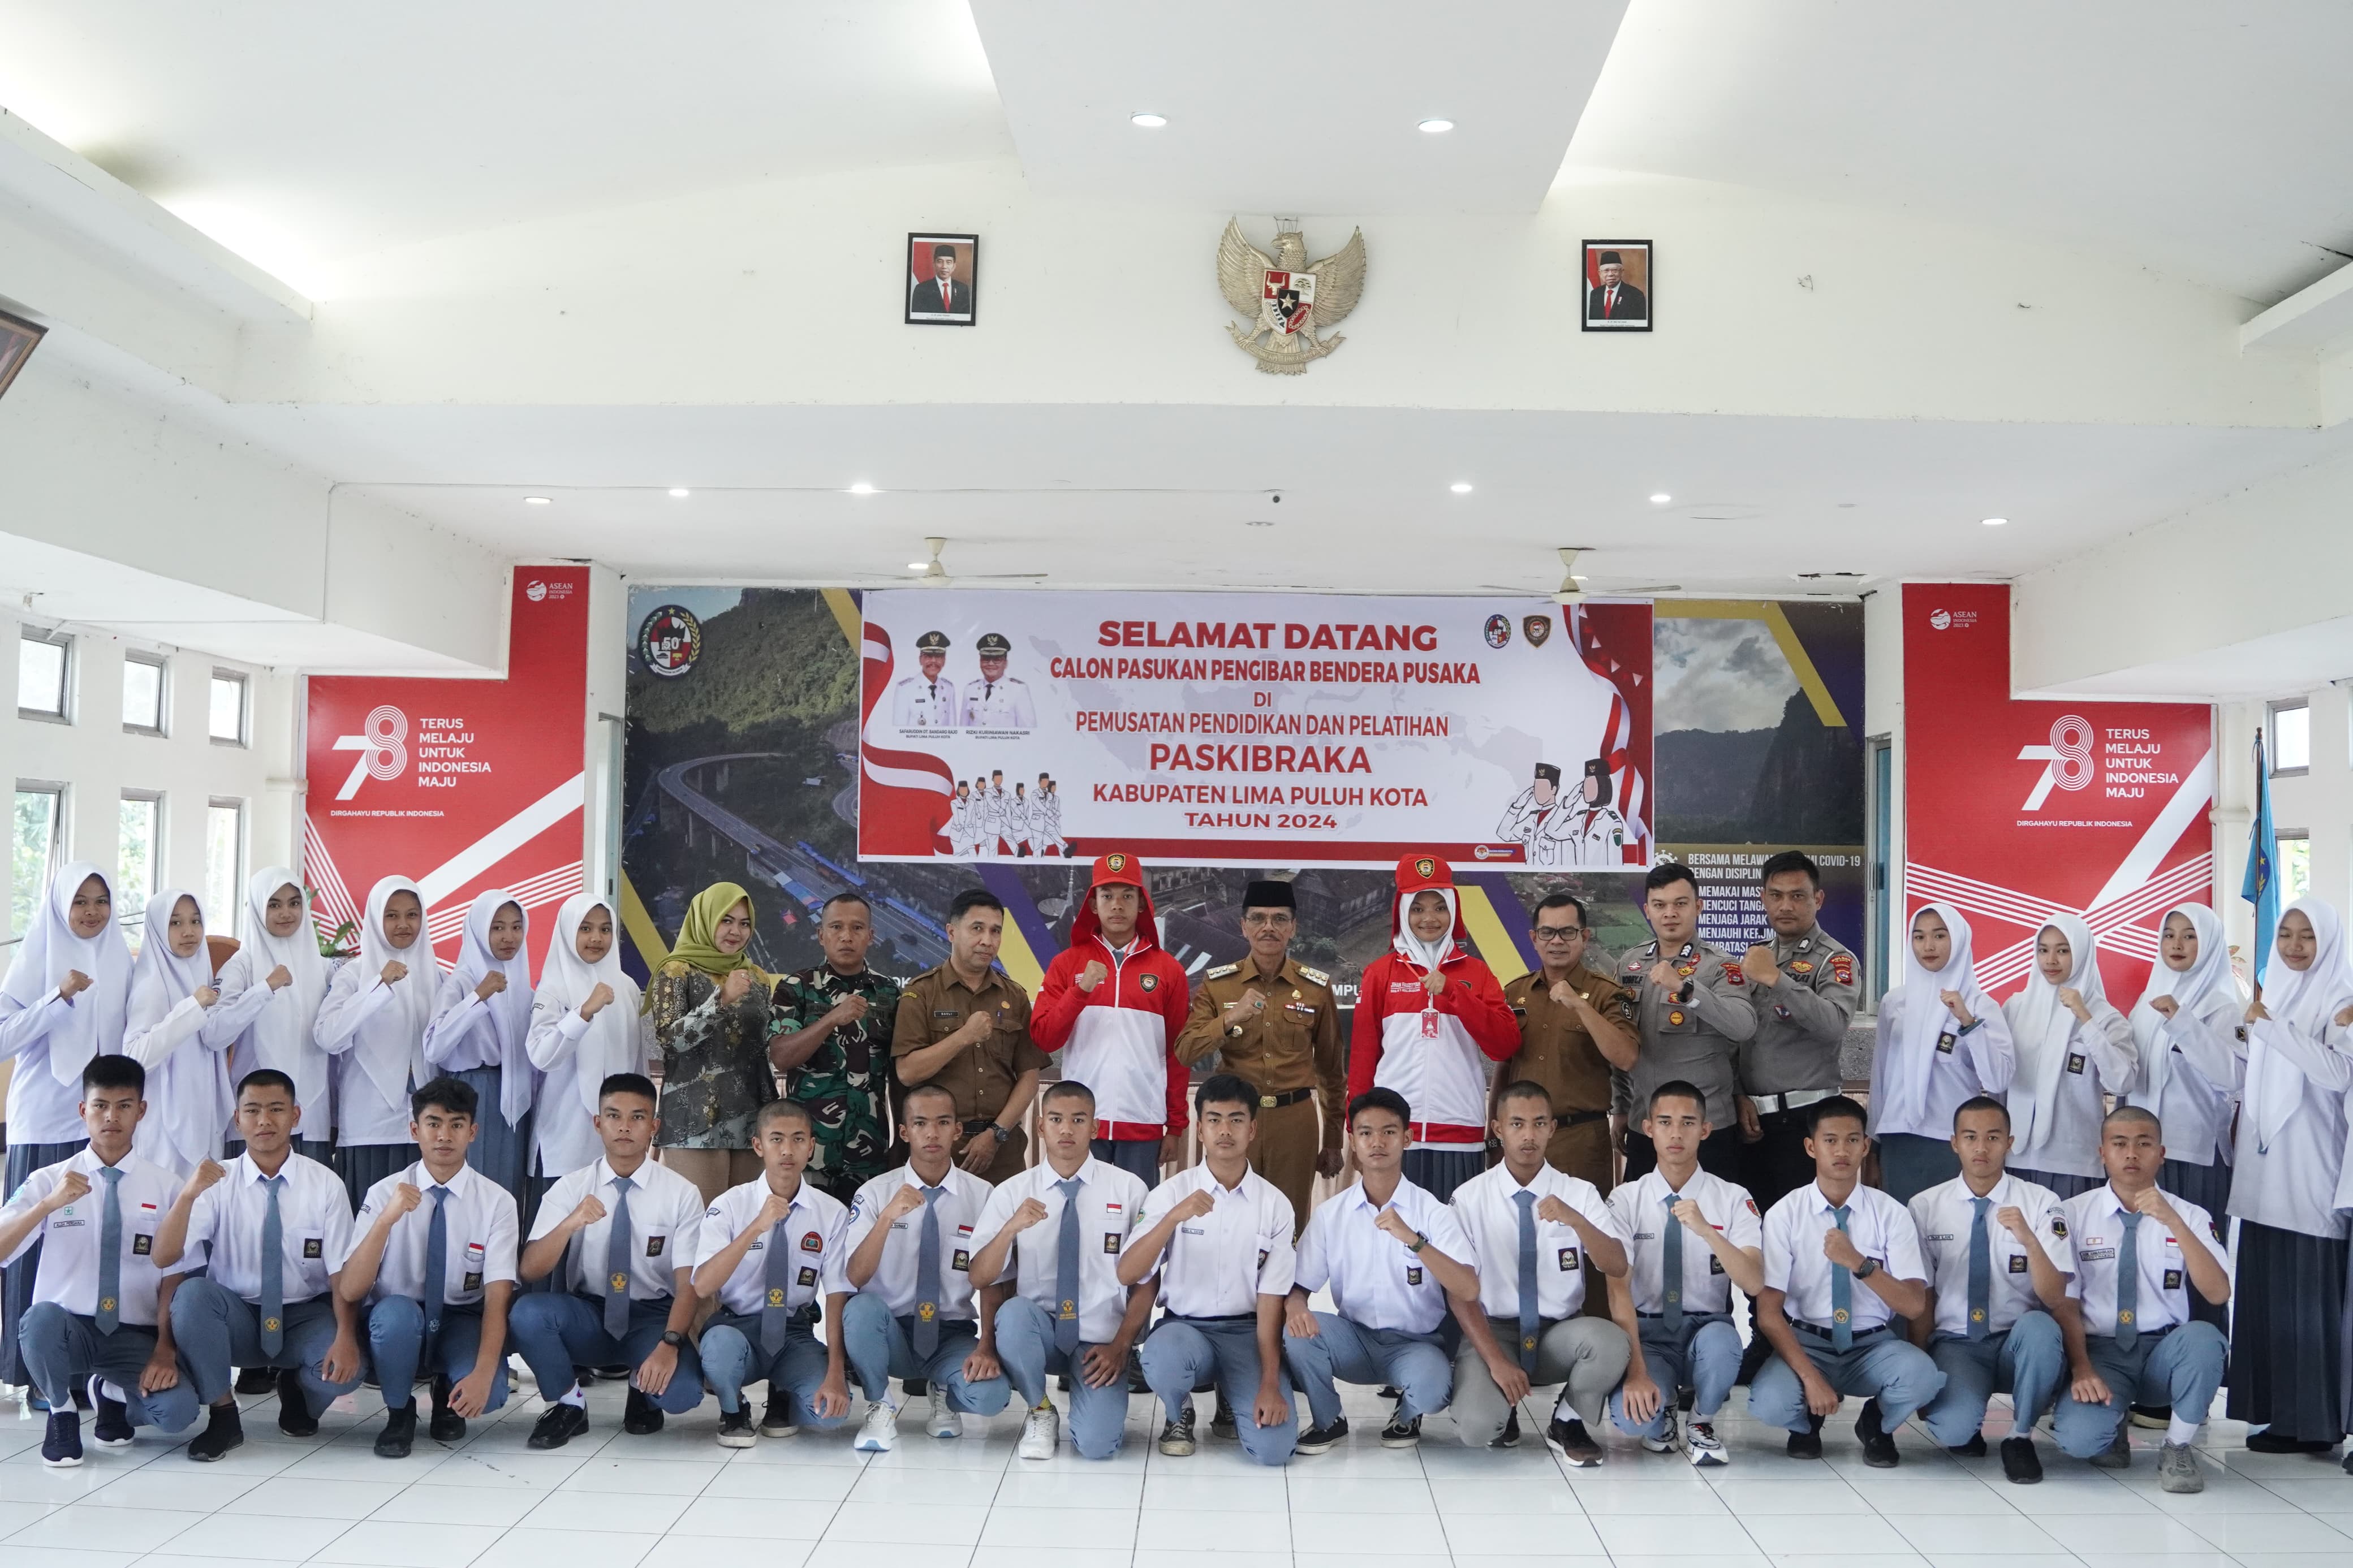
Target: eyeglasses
[
  {"x": 1256, "y": 919},
  {"x": 1558, "y": 933}
]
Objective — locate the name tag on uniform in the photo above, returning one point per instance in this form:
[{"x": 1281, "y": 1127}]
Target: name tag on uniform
[
  {"x": 1945, "y": 1043},
  {"x": 961, "y": 1262},
  {"x": 2096, "y": 1253},
  {"x": 313, "y": 1247},
  {"x": 141, "y": 1246},
  {"x": 1567, "y": 1260},
  {"x": 2075, "y": 1062},
  {"x": 1192, "y": 1230},
  {"x": 1413, "y": 1276},
  {"x": 654, "y": 1245},
  {"x": 2018, "y": 1263},
  {"x": 943, "y": 1013}
]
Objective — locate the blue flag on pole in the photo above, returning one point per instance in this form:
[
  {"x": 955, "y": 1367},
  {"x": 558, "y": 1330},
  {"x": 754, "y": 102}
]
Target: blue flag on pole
[{"x": 2261, "y": 886}]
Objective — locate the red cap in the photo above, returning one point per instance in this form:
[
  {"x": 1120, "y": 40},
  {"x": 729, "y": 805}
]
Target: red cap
[
  {"x": 1417, "y": 872},
  {"x": 1118, "y": 867}
]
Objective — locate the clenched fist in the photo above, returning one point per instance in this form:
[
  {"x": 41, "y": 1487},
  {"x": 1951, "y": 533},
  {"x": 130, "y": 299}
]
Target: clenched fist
[
  {"x": 600, "y": 996},
  {"x": 494, "y": 981},
  {"x": 1093, "y": 976}
]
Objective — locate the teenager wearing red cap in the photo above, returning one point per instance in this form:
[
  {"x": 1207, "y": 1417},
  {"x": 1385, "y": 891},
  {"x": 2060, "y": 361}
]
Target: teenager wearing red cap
[
  {"x": 1429, "y": 1017},
  {"x": 1112, "y": 1004}
]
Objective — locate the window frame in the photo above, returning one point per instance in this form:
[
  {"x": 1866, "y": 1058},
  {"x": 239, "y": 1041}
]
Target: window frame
[
  {"x": 59, "y": 834},
  {"x": 2281, "y": 836},
  {"x": 2272, "y": 712},
  {"x": 161, "y": 665},
  {"x": 155, "y": 848},
  {"x": 244, "y": 684},
  {"x": 235, "y": 913},
  {"x": 65, "y": 713}
]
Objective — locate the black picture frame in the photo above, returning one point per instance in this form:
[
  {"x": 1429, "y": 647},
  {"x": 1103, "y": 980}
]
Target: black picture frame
[
  {"x": 1638, "y": 276},
  {"x": 919, "y": 282},
  {"x": 18, "y": 339}
]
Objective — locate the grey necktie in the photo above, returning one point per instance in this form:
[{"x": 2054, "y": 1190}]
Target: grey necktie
[
  {"x": 273, "y": 1271},
  {"x": 437, "y": 1266},
  {"x": 1527, "y": 1202},
  {"x": 2128, "y": 1284},
  {"x": 775, "y": 1316},
  {"x": 617, "y": 1244},
  {"x": 1066, "y": 1270},
  {"x": 1980, "y": 1271},
  {"x": 1841, "y": 1294},
  {"x": 1670, "y": 1272},
  {"x": 927, "y": 1277},
  {"x": 110, "y": 1252}
]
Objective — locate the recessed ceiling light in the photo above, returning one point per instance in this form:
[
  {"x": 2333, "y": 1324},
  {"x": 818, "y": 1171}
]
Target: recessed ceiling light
[
  {"x": 1437, "y": 127},
  {"x": 1994, "y": 521},
  {"x": 679, "y": 492},
  {"x": 862, "y": 489},
  {"x": 1660, "y": 499},
  {"x": 919, "y": 566},
  {"x": 1458, "y": 488},
  {"x": 1149, "y": 120},
  {"x": 539, "y": 500}
]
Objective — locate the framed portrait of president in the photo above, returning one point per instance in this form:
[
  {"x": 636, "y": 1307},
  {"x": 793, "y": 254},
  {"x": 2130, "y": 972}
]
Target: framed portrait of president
[
  {"x": 1620, "y": 286},
  {"x": 943, "y": 279}
]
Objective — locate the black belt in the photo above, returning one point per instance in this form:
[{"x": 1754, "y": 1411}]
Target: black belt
[
  {"x": 1822, "y": 1333},
  {"x": 1689, "y": 1313},
  {"x": 1212, "y": 1318},
  {"x": 1579, "y": 1118},
  {"x": 1277, "y": 1102}
]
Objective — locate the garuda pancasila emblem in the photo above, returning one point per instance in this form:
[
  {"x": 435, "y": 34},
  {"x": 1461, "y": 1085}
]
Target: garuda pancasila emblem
[{"x": 1286, "y": 296}]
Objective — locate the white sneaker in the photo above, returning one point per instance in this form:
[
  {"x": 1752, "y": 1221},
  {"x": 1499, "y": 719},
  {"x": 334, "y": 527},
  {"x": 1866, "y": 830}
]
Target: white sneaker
[
  {"x": 944, "y": 1422},
  {"x": 1665, "y": 1443},
  {"x": 880, "y": 1433},
  {"x": 1703, "y": 1447},
  {"x": 1042, "y": 1431}
]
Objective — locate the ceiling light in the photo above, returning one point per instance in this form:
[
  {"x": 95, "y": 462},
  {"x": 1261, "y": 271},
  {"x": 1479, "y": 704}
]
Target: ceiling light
[
  {"x": 679, "y": 492},
  {"x": 919, "y": 566},
  {"x": 1150, "y": 121},
  {"x": 1661, "y": 499},
  {"x": 1437, "y": 127},
  {"x": 539, "y": 500},
  {"x": 1458, "y": 488},
  {"x": 1993, "y": 522},
  {"x": 1259, "y": 522},
  {"x": 862, "y": 489}
]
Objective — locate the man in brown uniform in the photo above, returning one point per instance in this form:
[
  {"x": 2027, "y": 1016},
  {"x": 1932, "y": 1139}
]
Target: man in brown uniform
[
  {"x": 1278, "y": 1026},
  {"x": 1575, "y": 1025},
  {"x": 964, "y": 1026}
]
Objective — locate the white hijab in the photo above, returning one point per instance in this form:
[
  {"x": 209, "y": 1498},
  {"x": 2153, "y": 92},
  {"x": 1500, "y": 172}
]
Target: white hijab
[
  {"x": 1428, "y": 955},
  {"x": 187, "y": 1091},
  {"x": 391, "y": 1047},
  {"x": 92, "y": 1022},
  {"x": 1925, "y": 1016},
  {"x": 2303, "y": 1000},
  {"x": 2193, "y": 991},
  {"x": 511, "y": 1008},
  {"x": 280, "y": 1032},
  {"x": 611, "y": 1044},
  {"x": 2040, "y": 1029}
]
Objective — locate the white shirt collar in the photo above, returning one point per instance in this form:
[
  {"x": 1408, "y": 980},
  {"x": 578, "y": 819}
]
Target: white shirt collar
[
  {"x": 461, "y": 1185},
  {"x": 253, "y": 1173},
  {"x": 606, "y": 1175},
  {"x": 1822, "y": 1203}
]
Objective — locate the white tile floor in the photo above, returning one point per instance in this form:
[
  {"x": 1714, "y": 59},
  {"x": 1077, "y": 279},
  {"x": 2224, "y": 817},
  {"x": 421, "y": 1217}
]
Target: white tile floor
[{"x": 678, "y": 1500}]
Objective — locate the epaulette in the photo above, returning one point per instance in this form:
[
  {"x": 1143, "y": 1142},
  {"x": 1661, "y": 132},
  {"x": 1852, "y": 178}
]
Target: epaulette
[
  {"x": 1222, "y": 971},
  {"x": 1317, "y": 976}
]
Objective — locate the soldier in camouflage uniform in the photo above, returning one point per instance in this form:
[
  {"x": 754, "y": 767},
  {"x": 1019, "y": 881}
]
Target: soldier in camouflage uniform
[{"x": 829, "y": 1035}]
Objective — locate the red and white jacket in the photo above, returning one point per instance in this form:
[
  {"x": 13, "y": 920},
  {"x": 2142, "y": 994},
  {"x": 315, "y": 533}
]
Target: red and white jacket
[
  {"x": 1443, "y": 1078},
  {"x": 1120, "y": 1039}
]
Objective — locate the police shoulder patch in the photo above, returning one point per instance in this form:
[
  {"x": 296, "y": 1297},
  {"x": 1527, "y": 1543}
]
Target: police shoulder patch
[
  {"x": 1317, "y": 976},
  {"x": 1222, "y": 971}
]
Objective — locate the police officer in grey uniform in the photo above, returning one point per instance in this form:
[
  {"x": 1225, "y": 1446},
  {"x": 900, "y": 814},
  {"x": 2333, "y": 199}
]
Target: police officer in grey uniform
[
  {"x": 1803, "y": 986},
  {"x": 1693, "y": 1012}
]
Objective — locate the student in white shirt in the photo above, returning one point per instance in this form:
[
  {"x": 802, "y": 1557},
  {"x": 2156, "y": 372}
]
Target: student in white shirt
[
  {"x": 771, "y": 1253},
  {"x": 584, "y": 1027},
  {"x": 479, "y": 1034},
  {"x": 373, "y": 1023},
  {"x": 913, "y": 1232},
  {"x": 619, "y": 1237},
  {"x": 1395, "y": 1258},
  {"x": 259, "y": 1304},
  {"x": 102, "y": 1307},
  {"x": 1217, "y": 1236},
  {"x": 2140, "y": 1253},
  {"x": 2193, "y": 1062},
  {"x": 1941, "y": 1039},
  {"x": 181, "y": 1030},
  {"x": 1998, "y": 1261},
  {"x": 1842, "y": 1262},
  {"x": 280, "y": 960},
  {"x": 1065, "y": 1222},
  {"x": 2073, "y": 1050},
  {"x": 433, "y": 1250},
  {"x": 1533, "y": 1228},
  {"x": 1679, "y": 1320}
]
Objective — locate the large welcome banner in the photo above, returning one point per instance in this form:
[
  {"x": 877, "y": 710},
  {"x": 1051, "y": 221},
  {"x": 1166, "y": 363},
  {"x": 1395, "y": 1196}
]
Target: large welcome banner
[
  {"x": 1255, "y": 730},
  {"x": 2018, "y": 811}
]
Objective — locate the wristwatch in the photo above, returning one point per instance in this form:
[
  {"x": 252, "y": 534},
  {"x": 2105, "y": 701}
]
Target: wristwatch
[
  {"x": 673, "y": 1339},
  {"x": 1233, "y": 1031},
  {"x": 1004, "y": 1133},
  {"x": 1420, "y": 1241},
  {"x": 1870, "y": 1266}
]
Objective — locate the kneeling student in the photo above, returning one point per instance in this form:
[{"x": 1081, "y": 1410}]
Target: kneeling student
[
  {"x": 1395, "y": 1258},
  {"x": 2130, "y": 1338},
  {"x": 623, "y": 1231},
  {"x": 101, "y": 1307},
  {"x": 1219, "y": 1237},
  {"x": 1066, "y": 1222},
  {"x": 1531, "y": 1228},
  {"x": 913, "y": 1315},
  {"x": 1820, "y": 1242},
  {"x": 1998, "y": 1261},
  {"x": 438, "y": 1282},
  {"x": 769, "y": 1249},
  {"x": 1692, "y": 1238}
]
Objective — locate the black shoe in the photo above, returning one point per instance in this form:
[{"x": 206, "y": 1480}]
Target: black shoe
[
  {"x": 2151, "y": 1418},
  {"x": 1573, "y": 1443},
  {"x": 399, "y": 1434},
  {"x": 736, "y": 1429},
  {"x": 61, "y": 1445},
  {"x": 916, "y": 1387},
  {"x": 294, "y": 1418},
  {"x": 1136, "y": 1379},
  {"x": 1807, "y": 1444},
  {"x": 1878, "y": 1444},
  {"x": 1321, "y": 1439},
  {"x": 2264, "y": 1443},
  {"x": 1401, "y": 1433},
  {"x": 558, "y": 1426},
  {"x": 1222, "y": 1425},
  {"x": 586, "y": 1376},
  {"x": 447, "y": 1426},
  {"x": 112, "y": 1429},
  {"x": 2021, "y": 1465},
  {"x": 222, "y": 1431},
  {"x": 1388, "y": 1391},
  {"x": 617, "y": 1373},
  {"x": 256, "y": 1380},
  {"x": 641, "y": 1416},
  {"x": 1974, "y": 1448},
  {"x": 1511, "y": 1436},
  {"x": 777, "y": 1421}
]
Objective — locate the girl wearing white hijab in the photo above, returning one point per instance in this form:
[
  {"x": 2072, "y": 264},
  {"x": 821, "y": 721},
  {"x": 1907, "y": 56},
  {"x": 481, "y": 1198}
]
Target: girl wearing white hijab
[
  {"x": 61, "y": 1004},
  {"x": 180, "y": 1030},
  {"x": 584, "y": 1027},
  {"x": 2073, "y": 1050},
  {"x": 2287, "y": 1317},
  {"x": 481, "y": 1017},
  {"x": 1941, "y": 1041},
  {"x": 281, "y": 960},
  {"x": 2194, "y": 1056},
  {"x": 373, "y": 1022}
]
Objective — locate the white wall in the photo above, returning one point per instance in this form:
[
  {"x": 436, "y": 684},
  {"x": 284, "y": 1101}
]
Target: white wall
[{"x": 2319, "y": 802}]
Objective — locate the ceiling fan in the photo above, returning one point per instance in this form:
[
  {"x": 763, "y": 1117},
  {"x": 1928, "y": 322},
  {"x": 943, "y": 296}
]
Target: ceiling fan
[
  {"x": 1575, "y": 586},
  {"x": 935, "y": 575}
]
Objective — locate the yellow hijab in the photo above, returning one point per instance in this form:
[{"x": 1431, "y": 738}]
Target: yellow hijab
[{"x": 697, "y": 946}]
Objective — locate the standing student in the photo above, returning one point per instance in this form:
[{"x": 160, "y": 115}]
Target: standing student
[
  {"x": 1062, "y": 1225},
  {"x": 433, "y": 1254},
  {"x": 710, "y": 1006},
  {"x": 771, "y": 1254},
  {"x": 1577, "y": 1026},
  {"x": 1533, "y": 1230},
  {"x": 2073, "y": 1050},
  {"x": 584, "y": 1027},
  {"x": 180, "y": 1030},
  {"x": 1842, "y": 1262},
  {"x": 481, "y": 1036},
  {"x": 373, "y": 1023},
  {"x": 1999, "y": 1265},
  {"x": 63, "y": 1002},
  {"x": 911, "y": 1234},
  {"x": 1941, "y": 1041},
  {"x": 964, "y": 1026},
  {"x": 829, "y": 1035},
  {"x": 1693, "y": 1012},
  {"x": 1395, "y": 1258},
  {"x": 1802, "y": 984},
  {"x": 619, "y": 1237},
  {"x": 1217, "y": 1236},
  {"x": 280, "y": 960},
  {"x": 2288, "y": 1193},
  {"x": 1430, "y": 1021},
  {"x": 1112, "y": 1005},
  {"x": 266, "y": 1230},
  {"x": 2139, "y": 1253},
  {"x": 101, "y": 1307},
  {"x": 1692, "y": 1238}
]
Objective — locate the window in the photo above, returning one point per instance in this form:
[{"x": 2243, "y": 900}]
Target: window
[
  {"x": 42, "y": 662},
  {"x": 141, "y": 853},
  {"x": 2295, "y": 865},
  {"x": 2291, "y": 738},
  {"x": 228, "y": 721},
  {"x": 143, "y": 693},
  {"x": 225, "y": 866},
  {"x": 40, "y": 839}
]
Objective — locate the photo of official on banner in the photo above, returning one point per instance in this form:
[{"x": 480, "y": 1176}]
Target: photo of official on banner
[{"x": 1255, "y": 730}]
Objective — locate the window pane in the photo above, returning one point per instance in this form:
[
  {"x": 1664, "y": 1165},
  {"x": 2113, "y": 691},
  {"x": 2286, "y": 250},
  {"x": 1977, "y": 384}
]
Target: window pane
[
  {"x": 36, "y": 838},
  {"x": 228, "y": 708},
  {"x": 2295, "y": 868},
  {"x": 2291, "y": 738},
  {"x": 142, "y": 694},
  {"x": 41, "y": 677},
  {"x": 224, "y": 826},
  {"x": 135, "y": 864}
]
